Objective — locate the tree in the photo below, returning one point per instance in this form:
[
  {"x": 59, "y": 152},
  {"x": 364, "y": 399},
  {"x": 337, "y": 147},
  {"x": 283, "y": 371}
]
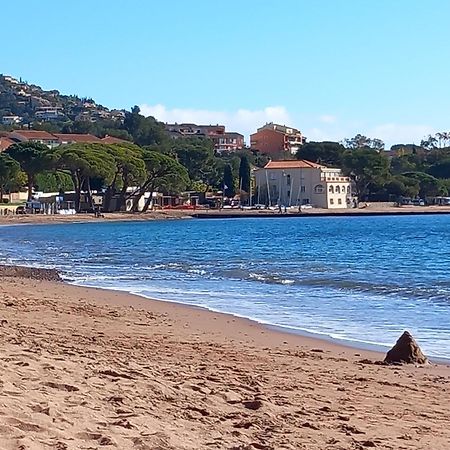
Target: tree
[
  {"x": 129, "y": 170},
  {"x": 197, "y": 156},
  {"x": 33, "y": 159},
  {"x": 366, "y": 166},
  {"x": 360, "y": 141},
  {"x": 144, "y": 130},
  {"x": 228, "y": 181},
  {"x": 326, "y": 153},
  {"x": 162, "y": 172},
  {"x": 9, "y": 173},
  {"x": 84, "y": 161},
  {"x": 244, "y": 175},
  {"x": 429, "y": 186}
]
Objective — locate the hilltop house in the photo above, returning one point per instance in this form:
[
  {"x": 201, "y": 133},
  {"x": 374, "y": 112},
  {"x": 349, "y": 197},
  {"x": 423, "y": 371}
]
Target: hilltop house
[
  {"x": 223, "y": 141},
  {"x": 273, "y": 139},
  {"x": 301, "y": 182}
]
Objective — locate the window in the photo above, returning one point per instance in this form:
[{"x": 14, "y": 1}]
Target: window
[
  {"x": 339, "y": 201},
  {"x": 331, "y": 201},
  {"x": 288, "y": 180},
  {"x": 348, "y": 189},
  {"x": 331, "y": 189},
  {"x": 303, "y": 189},
  {"x": 338, "y": 190},
  {"x": 288, "y": 193},
  {"x": 318, "y": 189}
]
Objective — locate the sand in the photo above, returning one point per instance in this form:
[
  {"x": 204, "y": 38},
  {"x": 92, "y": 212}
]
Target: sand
[{"x": 93, "y": 369}]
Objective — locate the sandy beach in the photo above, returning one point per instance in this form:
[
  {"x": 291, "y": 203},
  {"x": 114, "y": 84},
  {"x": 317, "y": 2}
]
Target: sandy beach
[
  {"x": 371, "y": 209},
  {"x": 84, "y": 368}
]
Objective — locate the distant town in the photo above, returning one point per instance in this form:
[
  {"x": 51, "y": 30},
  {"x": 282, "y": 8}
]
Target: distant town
[{"x": 147, "y": 164}]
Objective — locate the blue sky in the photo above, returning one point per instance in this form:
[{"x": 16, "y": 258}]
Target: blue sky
[{"x": 332, "y": 68}]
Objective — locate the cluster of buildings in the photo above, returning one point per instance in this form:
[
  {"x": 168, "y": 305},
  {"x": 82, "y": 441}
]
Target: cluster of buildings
[
  {"x": 51, "y": 140},
  {"x": 24, "y": 103}
]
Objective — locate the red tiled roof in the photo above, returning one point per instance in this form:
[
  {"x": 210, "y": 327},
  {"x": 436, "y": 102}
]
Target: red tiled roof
[
  {"x": 5, "y": 143},
  {"x": 68, "y": 137},
  {"x": 292, "y": 164},
  {"x": 34, "y": 134},
  {"x": 114, "y": 140}
]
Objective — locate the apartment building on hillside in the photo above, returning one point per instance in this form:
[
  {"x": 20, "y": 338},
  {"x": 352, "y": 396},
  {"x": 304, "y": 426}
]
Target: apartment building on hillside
[
  {"x": 223, "y": 141},
  {"x": 277, "y": 140}
]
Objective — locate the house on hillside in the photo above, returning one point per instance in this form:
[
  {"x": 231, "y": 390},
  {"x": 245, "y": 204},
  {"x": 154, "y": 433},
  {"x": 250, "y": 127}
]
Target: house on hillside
[
  {"x": 72, "y": 138},
  {"x": 273, "y": 139},
  {"x": 301, "y": 182},
  {"x": 222, "y": 140},
  {"x": 42, "y": 137}
]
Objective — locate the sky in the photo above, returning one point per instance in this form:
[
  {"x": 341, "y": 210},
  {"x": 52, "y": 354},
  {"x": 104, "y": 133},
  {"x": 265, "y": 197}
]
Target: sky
[{"x": 331, "y": 68}]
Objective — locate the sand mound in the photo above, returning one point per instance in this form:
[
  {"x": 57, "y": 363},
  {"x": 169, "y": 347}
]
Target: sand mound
[{"x": 406, "y": 350}]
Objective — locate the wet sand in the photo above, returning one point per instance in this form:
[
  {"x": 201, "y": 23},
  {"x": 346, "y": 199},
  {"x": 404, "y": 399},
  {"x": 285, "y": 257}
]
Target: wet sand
[{"x": 85, "y": 368}]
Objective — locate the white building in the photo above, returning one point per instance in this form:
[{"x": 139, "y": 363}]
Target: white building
[
  {"x": 11, "y": 120},
  {"x": 301, "y": 182}
]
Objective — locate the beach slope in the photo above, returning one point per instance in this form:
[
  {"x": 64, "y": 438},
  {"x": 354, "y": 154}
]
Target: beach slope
[{"x": 86, "y": 368}]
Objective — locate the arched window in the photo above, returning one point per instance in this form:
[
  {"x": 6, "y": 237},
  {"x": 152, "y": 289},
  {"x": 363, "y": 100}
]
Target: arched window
[
  {"x": 318, "y": 189},
  {"x": 338, "y": 190},
  {"x": 348, "y": 189},
  {"x": 331, "y": 189}
]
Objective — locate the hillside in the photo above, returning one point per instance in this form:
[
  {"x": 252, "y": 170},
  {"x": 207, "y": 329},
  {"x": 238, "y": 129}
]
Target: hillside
[{"x": 22, "y": 103}]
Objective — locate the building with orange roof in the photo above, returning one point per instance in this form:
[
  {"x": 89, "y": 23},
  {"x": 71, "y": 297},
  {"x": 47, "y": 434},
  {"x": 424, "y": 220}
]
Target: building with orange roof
[
  {"x": 5, "y": 142},
  {"x": 302, "y": 182},
  {"x": 72, "y": 138},
  {"x": 41, "y": 137},
  {"x": 276, "y": 140}
]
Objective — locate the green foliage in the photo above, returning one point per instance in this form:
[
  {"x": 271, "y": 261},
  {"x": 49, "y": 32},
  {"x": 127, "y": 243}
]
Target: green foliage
[
  {"x": 361, "y": 141},
  {"x": 9, "y": 173},
  {"x": 33, "y": 159},
  {"x": 366, "y": 167},
  {"x": 228, "y": 181},
  {"x": 144, "y": 130},
  {"x": 326, "y": 153},
  {"x": 244, "y": 174},
  {"x": 54, "y": 182},
  {"x": 429, "y": 186}
]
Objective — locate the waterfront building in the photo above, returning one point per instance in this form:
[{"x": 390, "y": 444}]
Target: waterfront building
[{"x": 301, "y": 182}]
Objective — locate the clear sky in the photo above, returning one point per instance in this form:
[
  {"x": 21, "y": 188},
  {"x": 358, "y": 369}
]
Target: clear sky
[{"x": 332, "y": 68}]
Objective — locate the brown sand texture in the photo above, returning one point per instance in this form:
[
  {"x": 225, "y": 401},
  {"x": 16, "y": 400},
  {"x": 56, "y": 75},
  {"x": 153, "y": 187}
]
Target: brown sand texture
[{"x": 92, "y": 369}]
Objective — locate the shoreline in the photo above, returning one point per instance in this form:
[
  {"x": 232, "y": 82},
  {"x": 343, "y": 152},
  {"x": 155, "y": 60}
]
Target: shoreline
[
  {"x": 172, "y": 214},
  {"x": 86, "y": 367},
  {"x": 313, "y": 338}
]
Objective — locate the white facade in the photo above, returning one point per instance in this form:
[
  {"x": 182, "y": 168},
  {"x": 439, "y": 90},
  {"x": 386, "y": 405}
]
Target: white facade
[{"x": 295, "y": 183}]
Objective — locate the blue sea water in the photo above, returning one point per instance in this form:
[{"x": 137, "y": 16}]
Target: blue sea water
[{"x": 359, "y": 279}]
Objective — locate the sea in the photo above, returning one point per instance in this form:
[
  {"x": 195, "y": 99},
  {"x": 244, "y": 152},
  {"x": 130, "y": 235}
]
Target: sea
[{"x": 359, "y": 280}]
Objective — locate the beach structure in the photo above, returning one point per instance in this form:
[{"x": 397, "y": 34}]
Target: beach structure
[
  {"x": 274, "y": 139},
  {"x": 302, "y": 182}
]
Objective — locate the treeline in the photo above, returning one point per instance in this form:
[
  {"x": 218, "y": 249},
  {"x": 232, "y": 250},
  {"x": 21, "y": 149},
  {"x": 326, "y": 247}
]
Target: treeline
[
  {"x": 405, "y": 171},
  {"x": 168, "y": 167}
]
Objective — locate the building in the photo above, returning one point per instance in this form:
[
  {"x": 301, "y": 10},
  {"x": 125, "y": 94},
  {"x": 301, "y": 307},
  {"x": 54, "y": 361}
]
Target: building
[
  {"x": 49, "y": 113},
  {"x": 5, "y": 142},
  {"x": 11, "y": 120},
  {"x": 301, "y": 182},
  {"x": 222, "y": 140},
  {"x": 72, "y": 138},
  {"x": 41, "y": 137},
  {"x": 228, "y": 142},
  {"x": 273, "y": 139}
]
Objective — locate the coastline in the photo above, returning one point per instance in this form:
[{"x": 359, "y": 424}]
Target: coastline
[
  {"x": 88, "y": 367},
  {"x": 172, "y": 214}
]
